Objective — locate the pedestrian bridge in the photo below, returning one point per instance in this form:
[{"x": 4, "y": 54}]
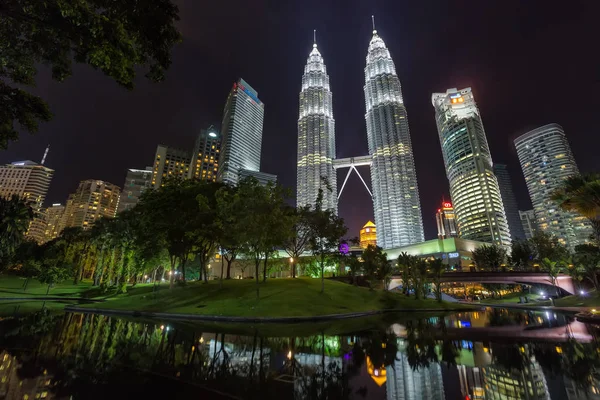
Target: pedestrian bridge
[{"x": 522, "y": 278}]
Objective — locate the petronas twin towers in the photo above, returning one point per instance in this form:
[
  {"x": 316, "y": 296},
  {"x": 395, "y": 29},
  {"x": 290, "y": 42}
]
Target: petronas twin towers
[{"x": 395, "y": 193}]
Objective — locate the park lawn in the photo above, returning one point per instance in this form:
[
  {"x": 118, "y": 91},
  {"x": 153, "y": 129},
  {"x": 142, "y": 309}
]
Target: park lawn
[
  {"x": 591, "y": 299},
  {"x": 12, "y": 286},
  {"x": 511, "y": 298},
  {"x": 278, "y": 298}
]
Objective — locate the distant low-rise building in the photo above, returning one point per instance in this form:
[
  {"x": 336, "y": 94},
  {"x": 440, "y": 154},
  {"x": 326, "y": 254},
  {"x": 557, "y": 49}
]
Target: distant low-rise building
[
  {"x": 446, "y": 221},
  {"x": 368, "y": 235}
]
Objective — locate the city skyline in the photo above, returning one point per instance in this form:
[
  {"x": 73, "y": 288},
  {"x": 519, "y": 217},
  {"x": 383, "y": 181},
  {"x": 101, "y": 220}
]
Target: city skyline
[{"x": 279, "y": 86}]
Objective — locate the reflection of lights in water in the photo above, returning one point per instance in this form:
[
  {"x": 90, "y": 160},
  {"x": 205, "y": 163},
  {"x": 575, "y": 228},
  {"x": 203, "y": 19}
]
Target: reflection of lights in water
[
  {"x": 399, "y": 330},
  {"x": 377, "y": 374},
  {"x": 548, "y": 314}
]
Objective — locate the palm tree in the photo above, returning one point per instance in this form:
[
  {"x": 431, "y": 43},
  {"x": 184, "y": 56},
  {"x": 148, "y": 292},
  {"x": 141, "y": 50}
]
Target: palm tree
[
  {"x": 15, "y": 216},
  {"x": 581, "y": 194},
  {"x": 437, "y": 268}
]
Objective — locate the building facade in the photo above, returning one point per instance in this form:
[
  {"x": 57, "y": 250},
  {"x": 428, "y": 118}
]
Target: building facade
[
  {"x": 546, "y": 160},
  {"x": 368, "y": 235},
  {"x": 446, "y": 221},
  {"x": 242, "y": 133},
  {"x": 262, "y": 177},
  {"x": 205, "y": 157},
  {"x": 55, "y": 221},
  {"x": 528, "y": 222},
  {"x": 396, "y": 203},
  {"x": 473, "y": 185},
  {"x": 509, "y": 200},
  {"x": 316, "y": 137},
  {"x": 91, "y": 201},
  {"x": 169, "y": 163},
  {"x": 136, "y": 183},
  {"x": 30, "y": 181}
]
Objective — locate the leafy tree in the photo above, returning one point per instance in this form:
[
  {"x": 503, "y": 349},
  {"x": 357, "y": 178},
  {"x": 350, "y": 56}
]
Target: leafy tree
[
  {"x": 375, "y": 265},
  {"x": 113, "y": 36},
  {"x": 437, "y": 268},
  {"x": 326, "y": 231},
  {"x": 581, "y": 194},
  {"x": 545, "y": 245},
  {"x": 587, "y": 258},
  {"x": 553, "y": 268},
  {"x": 229, "y": 209},
  {"x": 15, "y": 216},
  {"x": 522, "y": 254},
  {"x": 53, "y": 269},
  {"x": 354, "y": 267},
  {"x": 27, "y": 260},
  {"x": 490, "y": 256},
  {"x": 406, "y": 263},
  {"x": 299, "y": 239}
]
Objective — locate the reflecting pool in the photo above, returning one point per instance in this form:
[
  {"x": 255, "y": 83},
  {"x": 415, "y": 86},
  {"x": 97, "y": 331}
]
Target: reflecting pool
[{"x": 489, "y": 354}]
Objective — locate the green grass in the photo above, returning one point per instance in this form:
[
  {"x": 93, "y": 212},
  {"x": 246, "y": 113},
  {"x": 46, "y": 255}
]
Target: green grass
[
  {"x": 591, "y": 299},
  {"x": 511, "y": 298},
  {"x": 278, "y": 298},
  {"x": 12, "y": 286}
]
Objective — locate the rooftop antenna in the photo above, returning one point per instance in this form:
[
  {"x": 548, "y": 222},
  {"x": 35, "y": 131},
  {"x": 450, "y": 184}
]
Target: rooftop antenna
[
  {"x": 45, "y": 155},
  {"x": 315, "y": 38},
  {"x": 373, "y": 19}
]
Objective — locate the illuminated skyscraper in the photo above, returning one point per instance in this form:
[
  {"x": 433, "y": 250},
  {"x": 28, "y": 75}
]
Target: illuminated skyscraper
[
  {"x": 509, "y": 200},
  {"x": 169, "y": 163},
  {"x": 473, "y": 185},
  {"x": 316, "y": 136},
  {"x": 242, "y": 130},
  {"x": 393, "y": 177},
  {"x": 91, "y": 201},
  {"x": 446, "y": 221},
  {"x": 528, "y": 222},
  {"x": 205, "y": 158},
  {"x": 136, "y": 183},
  {"x": 547, "y": 160}
]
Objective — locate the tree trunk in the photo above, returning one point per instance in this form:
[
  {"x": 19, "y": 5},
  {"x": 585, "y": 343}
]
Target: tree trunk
[
  {"x": 322, "y": 273},
  {"x": 48, "y": 290},
  {"x": 25, "y": 284},
  {"x": 294, "y": 267},
  {"x": 172, "y": 274},
  {"x": 99, "y": 271},
  {"x": 257, "y": 272},
  {"x": 183, "y": 262},
  {"x": 222, "y": 266},
  {"x": 265, "y": 267}
]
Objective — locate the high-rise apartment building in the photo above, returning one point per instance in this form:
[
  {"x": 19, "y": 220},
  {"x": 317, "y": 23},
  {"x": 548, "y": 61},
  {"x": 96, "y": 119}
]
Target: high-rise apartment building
[
  {"x": 316, "y": 136},
  {"x": 242, "y": 133},
  {"x": 205, "y": 158},
  {"x": 169, "y": 163},
  {"x": 55, "y": 220},
  {"x": 262, "y": 177},
  {"x": 137, "y": 182},
  {"x": 528, "y": 222},
  {"x": 394, "y": 180},
  {"x": 368, "y": 235},
  {"x": 91, "y": 201},
  {"x": 473, "y": 185},
  {"x": 546, "y": 160},
  {"x": 30, "y": 181},
  {"x": 446, "y": 221},
  {"x": 509, "y": 200}
]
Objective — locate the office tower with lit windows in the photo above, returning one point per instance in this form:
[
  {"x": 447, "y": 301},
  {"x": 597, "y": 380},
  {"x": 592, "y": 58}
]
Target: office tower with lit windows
[
  {"x": 546, "y": 160},
  {"x": 242, "y": 130},
  {"x": 368, "y": 235},
  {"x": 473, "y": 185},
  {"x": 30, "y": 181},
  {"x": 446, "y": 221},
  {"x": 407, "y": 383},
  {"x": 169, "y": 163},
  {"x": 137, "y": 182},
  {"x": 205, "y": 158},
  {"x": 509, "y": 200},
  {"x": 528, "y": 222},
  {"x": 316, "y": 137},
  {"x": 396, "y": 201},
  {"x": 91, "y": 201}
]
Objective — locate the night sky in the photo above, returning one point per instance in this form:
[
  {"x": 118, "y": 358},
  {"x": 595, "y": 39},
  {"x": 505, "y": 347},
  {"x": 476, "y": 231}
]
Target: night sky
[{"x": 529, "y": 63}]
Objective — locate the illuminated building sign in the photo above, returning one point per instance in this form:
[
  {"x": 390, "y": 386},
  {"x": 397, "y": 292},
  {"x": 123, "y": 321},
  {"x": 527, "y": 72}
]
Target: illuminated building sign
[
  {"x": 447, "y": 204},
  {"x": 453, "y": 255},
  {"x": 249, "y": 93},
  {"x": 344, "y": 248}
]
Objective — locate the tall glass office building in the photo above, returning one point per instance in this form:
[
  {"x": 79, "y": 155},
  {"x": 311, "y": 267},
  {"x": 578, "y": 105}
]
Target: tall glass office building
[
  {"x": 509, "y": 200},
  {"x": 473, "y": 185},
  {"x": 316, "y": 136},
  {"x": 546, "y": 159},
  {"x": 394, "y": 180},
  {"x": 242, "y": 133}
]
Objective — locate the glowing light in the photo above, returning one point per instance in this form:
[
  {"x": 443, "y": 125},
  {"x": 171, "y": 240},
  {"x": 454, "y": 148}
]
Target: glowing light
[
  {"x": 212, "y": 134},
  {"x": 289, "y": 355},
  {"x": 162, "y": 327},
  {"x": 291, "y": 259}
]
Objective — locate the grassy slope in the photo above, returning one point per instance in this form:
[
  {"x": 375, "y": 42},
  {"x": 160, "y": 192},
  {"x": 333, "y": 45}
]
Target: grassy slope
[
  {"x": 12, "y": 286},
  {"x": 278, "y": 297},
  {"x": 511, "y": 298},
  {"x": 592, "y": 299}
]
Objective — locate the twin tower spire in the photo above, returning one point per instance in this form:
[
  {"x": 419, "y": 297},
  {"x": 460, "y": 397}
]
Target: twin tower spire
[{"x": 396, "y": 202}]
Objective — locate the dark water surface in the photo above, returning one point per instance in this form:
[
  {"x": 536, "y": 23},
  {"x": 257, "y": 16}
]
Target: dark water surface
[{"x": 491, "y": 354}]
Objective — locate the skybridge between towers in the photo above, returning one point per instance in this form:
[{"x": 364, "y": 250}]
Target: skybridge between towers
[{"x": 351, "y": 163}]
